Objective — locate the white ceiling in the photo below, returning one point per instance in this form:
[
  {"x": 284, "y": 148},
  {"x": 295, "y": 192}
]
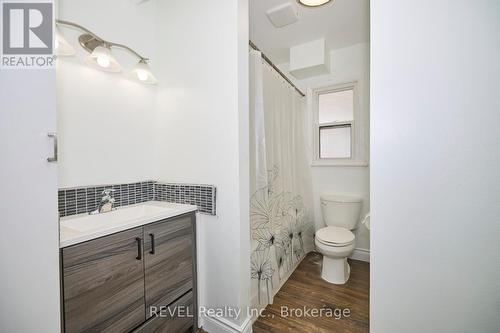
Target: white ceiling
[{"x": 341, "y": 22}]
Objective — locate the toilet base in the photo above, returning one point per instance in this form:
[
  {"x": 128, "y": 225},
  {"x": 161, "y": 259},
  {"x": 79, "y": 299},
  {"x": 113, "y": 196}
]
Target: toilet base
[{"x": 335, "y": 270}]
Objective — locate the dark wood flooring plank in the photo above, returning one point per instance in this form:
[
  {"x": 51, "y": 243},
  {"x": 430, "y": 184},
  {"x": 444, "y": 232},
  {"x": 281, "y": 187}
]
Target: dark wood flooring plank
[{"x": 305, "y": 288}]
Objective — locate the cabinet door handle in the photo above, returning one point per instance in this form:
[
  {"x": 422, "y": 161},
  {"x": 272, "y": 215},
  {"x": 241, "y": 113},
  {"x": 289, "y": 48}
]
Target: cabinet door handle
[
  {"x": 152, "y": 236},
  {"x": 139, "y": 248},
  {"x": 54, "y": 154}
]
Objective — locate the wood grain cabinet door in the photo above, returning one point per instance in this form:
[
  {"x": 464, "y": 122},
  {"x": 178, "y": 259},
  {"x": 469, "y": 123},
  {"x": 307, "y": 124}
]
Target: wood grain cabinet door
[
  {"x": 169, "y": 255},
  {"x": 178, "y": 317},
  {"x": 103, "y": 283}
]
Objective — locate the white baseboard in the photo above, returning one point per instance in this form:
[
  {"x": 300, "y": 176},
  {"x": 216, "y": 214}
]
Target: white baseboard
[
  {"x": 361, "y": 254},
  {"x": 222, "y": 325}
]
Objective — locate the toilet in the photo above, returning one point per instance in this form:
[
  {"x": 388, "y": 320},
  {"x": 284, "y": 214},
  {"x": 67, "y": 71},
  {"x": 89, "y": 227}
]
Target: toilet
[{"x": 336, "y": 241}]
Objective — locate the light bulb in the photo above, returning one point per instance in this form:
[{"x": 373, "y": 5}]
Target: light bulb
[
  {"x": 101, "y": 58},
  {"x": 142, "y": 75},
  {"x": 103, "y": 61},
  {"x": 313, "y": 3}
]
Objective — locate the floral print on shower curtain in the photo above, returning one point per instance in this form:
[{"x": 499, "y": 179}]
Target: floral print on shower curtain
[{"x": 280, "y": 204}]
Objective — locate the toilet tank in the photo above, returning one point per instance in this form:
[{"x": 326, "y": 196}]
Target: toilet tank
[{"x": 340, "y": 210}]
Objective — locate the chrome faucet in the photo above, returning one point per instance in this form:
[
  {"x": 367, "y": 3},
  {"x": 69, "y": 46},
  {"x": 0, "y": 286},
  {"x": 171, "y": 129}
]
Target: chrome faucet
[{"x": 106, "y": 204}]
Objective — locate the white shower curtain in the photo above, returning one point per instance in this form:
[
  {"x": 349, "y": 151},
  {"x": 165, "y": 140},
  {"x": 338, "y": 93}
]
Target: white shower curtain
[{"x": 281, "y": 194}]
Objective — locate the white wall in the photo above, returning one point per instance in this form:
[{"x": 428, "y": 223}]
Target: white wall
[
  {"x": 435, "y": 182},
  {"x": 202, "y": 134},
  {"x": 105, "y": 120},
  {"x": 350, "y": 64}
]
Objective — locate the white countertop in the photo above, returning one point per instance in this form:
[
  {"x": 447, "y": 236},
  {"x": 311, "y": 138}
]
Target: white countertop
[{"x": 83, "y": 227}]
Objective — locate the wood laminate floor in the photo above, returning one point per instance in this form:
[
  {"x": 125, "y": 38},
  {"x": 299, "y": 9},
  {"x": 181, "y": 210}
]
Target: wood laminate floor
[{"x": 306, "y": 289}]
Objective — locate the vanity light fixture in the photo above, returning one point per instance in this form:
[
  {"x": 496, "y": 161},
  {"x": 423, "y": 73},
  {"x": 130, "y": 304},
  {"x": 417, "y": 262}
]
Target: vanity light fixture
[
  {"x": 101, "y": 56},
  {"x": 63, "y": 48},
  {"x": 313, "y": 3},
  {"x": 142, "y": 73}
]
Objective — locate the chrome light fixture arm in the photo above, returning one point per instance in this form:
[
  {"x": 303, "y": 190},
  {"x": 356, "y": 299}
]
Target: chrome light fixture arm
[
  {"x": 125, "y": 47},
  {"x": 97, "y": 39}
]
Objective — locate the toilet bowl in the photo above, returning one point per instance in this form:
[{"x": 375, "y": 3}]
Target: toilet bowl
[{"x": 336, "y": 241}]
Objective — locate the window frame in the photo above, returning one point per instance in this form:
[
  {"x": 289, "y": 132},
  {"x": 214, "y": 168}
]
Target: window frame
[{"x": 341, "y": 161}]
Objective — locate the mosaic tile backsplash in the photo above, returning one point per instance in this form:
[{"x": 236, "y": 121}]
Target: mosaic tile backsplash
[
  {"x": 202, "y": 196},
  {"x": 85, "y": 199}
]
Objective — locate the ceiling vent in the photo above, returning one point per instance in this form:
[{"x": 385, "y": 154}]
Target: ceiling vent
[{"x": 283, "y": 15}]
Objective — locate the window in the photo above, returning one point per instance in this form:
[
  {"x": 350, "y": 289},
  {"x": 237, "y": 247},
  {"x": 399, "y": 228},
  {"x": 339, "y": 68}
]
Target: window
[
  {"x": 335, "y": 122},
  {"x": 335, "y": 141}
]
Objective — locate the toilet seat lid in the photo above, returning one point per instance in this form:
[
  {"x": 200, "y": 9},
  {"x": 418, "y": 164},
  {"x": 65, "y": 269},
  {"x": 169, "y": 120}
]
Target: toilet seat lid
[{"x": 335, "y": 235}]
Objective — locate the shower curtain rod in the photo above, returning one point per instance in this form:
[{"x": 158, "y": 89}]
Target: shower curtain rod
[{"x": 253, "y": 46}]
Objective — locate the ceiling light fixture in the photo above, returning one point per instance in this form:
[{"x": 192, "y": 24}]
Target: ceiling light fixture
[
  {"x": 313, "y": 3},
  {"x": 101, "y": 56}
]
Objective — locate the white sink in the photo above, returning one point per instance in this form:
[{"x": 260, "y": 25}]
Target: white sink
[
  {"x": 115, "y": 217},
  {"x": 79, "y": 228}
]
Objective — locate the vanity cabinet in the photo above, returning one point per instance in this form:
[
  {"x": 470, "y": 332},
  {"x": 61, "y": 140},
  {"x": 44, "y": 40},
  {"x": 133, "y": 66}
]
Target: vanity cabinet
[{"x": 116, "y": 283}]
